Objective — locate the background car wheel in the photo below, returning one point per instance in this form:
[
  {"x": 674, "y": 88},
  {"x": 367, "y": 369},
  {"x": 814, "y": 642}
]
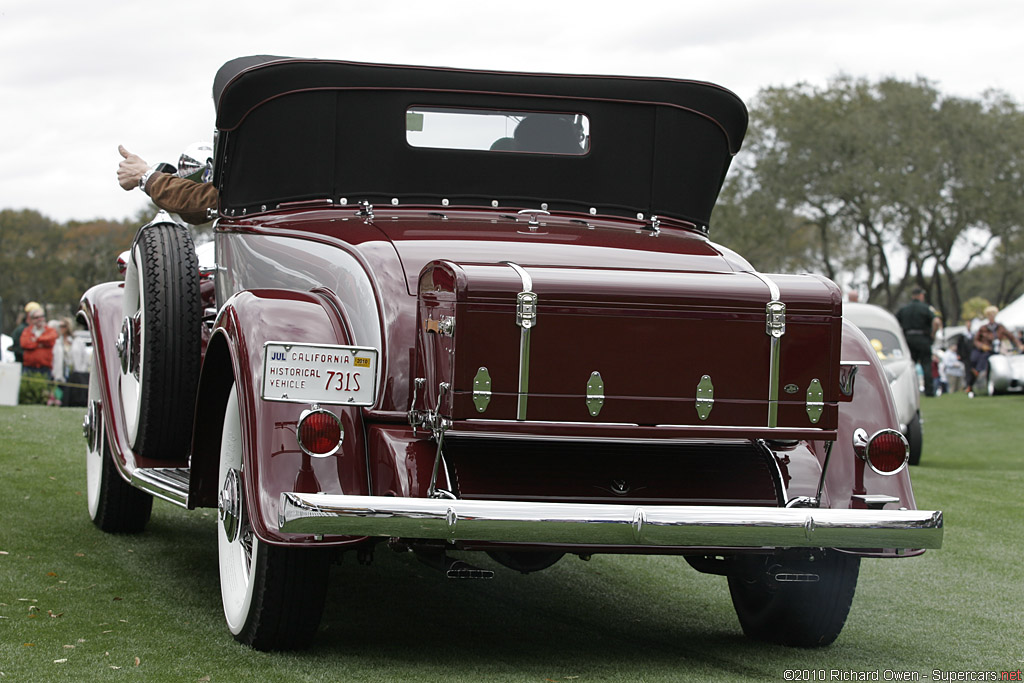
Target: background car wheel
[
  {"x": 273, "y": 596},
  {"x": 915, "y": 439},
  {"x": 999, "y": 374},
  {"x": 114, "y": 505},
  {"x": 798, "y": 613},
  {"x": 160, "y": 341}
]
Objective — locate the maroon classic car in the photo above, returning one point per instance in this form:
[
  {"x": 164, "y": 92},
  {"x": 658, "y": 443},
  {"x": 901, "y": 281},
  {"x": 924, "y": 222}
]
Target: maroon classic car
[{"x": 481, "y": 311}]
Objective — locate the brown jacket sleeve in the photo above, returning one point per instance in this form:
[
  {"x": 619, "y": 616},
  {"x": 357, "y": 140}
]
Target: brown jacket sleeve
[{"x": 184, "y": 197}]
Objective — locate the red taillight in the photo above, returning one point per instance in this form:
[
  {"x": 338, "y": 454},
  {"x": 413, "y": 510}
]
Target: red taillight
[
  {"x": 886, "y": 452},
  {"x": 319, "y": 433}
]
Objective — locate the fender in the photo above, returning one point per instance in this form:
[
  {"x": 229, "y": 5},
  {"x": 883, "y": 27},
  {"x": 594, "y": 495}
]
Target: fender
[
  {"x": 872, "y": 408},
  {"x": 100, "y": 310},
  {"x": 273, "y": 461}
]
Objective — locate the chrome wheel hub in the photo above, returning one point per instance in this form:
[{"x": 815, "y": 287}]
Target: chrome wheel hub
[
  {"x": 91, "y": 425},
  {"x": 229, "y": 505},
  {"x": 127, "y": 345}
]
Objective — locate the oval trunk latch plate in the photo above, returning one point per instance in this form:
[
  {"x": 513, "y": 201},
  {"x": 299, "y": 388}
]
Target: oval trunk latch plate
[
  {"x": 595, "y": 393},
  {"x": 481, "y": 389},
  {"x": 815, "y": 401},
  {"x": 705, "y": 397}
]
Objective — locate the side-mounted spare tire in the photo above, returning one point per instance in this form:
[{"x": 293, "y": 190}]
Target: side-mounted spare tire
[{"x": 160, "y": 340}]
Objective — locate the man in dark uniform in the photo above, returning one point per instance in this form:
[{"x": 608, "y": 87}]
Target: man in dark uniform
[{"x": 918, "y": 322}]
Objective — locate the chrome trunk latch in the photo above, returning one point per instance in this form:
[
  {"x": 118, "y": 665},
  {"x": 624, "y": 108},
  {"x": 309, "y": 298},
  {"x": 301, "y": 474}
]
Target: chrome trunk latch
[
  {"x": 526, "y": 310},
  {"x": 705, "y": 397},
  {"x": 776, "y": 319},
  {"x": 595, "y": 393},
  {"x": 481, "y": 389}
]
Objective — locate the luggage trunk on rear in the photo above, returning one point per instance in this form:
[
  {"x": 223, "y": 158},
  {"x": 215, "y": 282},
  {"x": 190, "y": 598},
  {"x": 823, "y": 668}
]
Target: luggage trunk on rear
[{"x": 755, "y": 353}]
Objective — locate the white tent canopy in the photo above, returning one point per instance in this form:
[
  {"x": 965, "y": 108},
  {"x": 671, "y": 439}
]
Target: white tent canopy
[{"x": 1013, "y": 315}]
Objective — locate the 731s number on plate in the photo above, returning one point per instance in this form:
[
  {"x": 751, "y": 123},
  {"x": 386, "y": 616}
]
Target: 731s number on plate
[{"x": 319, "y": 373}]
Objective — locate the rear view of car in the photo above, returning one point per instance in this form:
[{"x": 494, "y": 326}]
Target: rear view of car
[{"x": 481, "y": 311}]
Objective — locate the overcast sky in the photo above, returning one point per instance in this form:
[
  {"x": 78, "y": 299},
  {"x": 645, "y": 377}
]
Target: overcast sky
[{"x": 78, "y": 78}]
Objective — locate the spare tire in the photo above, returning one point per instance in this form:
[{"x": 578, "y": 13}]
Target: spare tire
[{"x": 159, "y": 343}]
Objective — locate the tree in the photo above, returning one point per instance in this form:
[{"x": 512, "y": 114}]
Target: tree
[
  {"x": 28, "y": 267},
  {"x": 887, "y": 175}
]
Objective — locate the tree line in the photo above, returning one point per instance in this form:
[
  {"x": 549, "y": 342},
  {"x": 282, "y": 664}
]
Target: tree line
[
  {"x": 882, "y": 186},
  {"x": 878, "y": 185}
]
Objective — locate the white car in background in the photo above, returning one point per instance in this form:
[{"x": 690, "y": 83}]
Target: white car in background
[{"x": 884, "y": 332}]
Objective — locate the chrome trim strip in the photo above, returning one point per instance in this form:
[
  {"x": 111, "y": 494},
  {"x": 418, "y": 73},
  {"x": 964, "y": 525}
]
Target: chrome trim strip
[
  {"x": 775, "y": 354},
  {"x": 524, "y": 345},
  {"x": 608, "y": 524},
  {"x": 524, "y": 373},
  {"x": 523, "y": 275},
  {"x": 773, "y": 288},
  {"x": 774, "y": 361}
]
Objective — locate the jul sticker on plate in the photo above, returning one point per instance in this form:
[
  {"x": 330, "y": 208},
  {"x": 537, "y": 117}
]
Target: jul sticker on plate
[{"x": 319, "y": 373}]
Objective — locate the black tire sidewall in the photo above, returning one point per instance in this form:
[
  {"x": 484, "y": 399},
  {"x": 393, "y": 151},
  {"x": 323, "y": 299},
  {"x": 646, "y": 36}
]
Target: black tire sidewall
[{"x": 169, "y": 286}]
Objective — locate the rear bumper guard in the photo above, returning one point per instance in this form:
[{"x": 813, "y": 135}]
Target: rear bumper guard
[{"x": 605, "y": 524}]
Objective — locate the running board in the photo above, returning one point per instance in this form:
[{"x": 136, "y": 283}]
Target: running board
[{"x": 165, "y": 483}]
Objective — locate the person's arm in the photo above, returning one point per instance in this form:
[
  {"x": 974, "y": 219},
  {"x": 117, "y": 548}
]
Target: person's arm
[
  {"x": 1005, "y": 334},
  {"x": 981, "y": 340},
  {"x": 28, "y": 340},
  {"x": 182, "y": 196},
  {"x": 44, "y": 341},
  {"x": 131, "y": 169}
]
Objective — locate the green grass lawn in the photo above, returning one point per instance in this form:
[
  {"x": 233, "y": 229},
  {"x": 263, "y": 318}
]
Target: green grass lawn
[{"x": 77, "y": 604}]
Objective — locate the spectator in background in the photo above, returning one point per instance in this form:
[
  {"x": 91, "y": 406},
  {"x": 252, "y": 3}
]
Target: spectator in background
[
  {"x": 952, "y": 369},
  {"x": 71, "y": 365},
  {"x": 19, "y": 327},
  {"x": 37, "y": 342},
  {"x": 918, "y": 322},
  {"x": 986, "y": 343}
]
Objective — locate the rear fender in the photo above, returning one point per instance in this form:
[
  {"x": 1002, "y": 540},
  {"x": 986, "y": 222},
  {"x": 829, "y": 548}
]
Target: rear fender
[
  {"x": 101, "y": 311},
  {"x": 273, "y": 461},
  {"x": 872, "y": 408}
]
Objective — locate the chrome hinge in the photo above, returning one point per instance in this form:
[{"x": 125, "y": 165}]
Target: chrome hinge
[
  {"x": 776, "y": 319},
  {"x": 482, "y": 389},
  {"x": 705, "y": 397},
  {"x": 595, "y": 393},
  {"x": 815, "y": 401}
]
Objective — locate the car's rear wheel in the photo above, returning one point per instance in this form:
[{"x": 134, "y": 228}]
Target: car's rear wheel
[
  {"x": 914, "y": 438},
  {"x": 273, "y": 596},
  {"x": 525, "y": 561},
  {"x": 114, "y": 505},
  {"x": 794, "y": 599},
  {"x": 159, "y": 343}
]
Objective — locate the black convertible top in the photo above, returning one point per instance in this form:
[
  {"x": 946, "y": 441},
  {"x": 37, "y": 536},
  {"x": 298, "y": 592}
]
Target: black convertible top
[{"x": 297, "y": 129}]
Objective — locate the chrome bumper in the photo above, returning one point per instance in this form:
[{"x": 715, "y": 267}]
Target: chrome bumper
[{"x": 613, "y": 525}]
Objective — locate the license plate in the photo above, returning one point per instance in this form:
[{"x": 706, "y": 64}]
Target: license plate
[{"x": 319, "y": 373}]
